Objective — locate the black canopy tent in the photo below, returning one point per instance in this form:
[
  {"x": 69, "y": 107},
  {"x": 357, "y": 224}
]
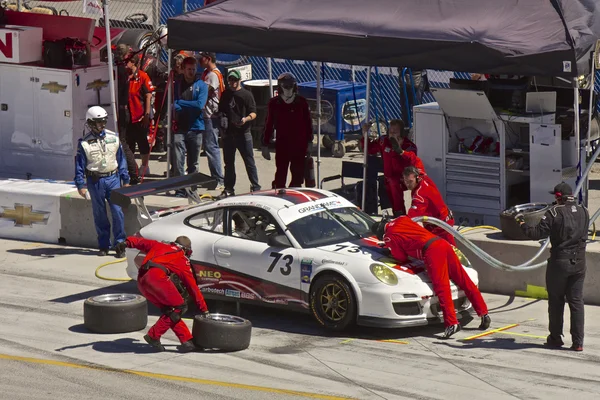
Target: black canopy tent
[{"x": 520, "y": 37}]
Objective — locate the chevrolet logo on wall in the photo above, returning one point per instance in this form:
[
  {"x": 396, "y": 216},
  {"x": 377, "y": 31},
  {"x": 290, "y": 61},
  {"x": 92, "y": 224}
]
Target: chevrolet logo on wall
[
  {"x": 54, "y": 87},
  {"x": 24, "y": 215},
  {"x": 98, "y": 84}
]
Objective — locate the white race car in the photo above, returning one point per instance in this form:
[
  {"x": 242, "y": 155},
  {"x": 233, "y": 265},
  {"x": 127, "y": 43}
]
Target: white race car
[{"x": 309, "y": 249}]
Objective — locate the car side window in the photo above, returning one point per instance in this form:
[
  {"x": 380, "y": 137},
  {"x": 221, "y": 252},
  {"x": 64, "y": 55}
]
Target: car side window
[
  {"x": 253, "y": 224},
  {"x": 208, "y": 221}
]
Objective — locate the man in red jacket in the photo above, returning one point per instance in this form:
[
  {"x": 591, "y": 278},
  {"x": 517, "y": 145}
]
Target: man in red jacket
[
  {"x": 166, "y": 279},
  {"x": 405, "y": 238},
  {"x": 395, "y": 160},
  {"x": 427, "y": 201},
  {"x": 288, "y": 113}
]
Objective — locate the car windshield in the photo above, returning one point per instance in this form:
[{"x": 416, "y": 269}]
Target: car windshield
[{"x": 331, "y": 226}]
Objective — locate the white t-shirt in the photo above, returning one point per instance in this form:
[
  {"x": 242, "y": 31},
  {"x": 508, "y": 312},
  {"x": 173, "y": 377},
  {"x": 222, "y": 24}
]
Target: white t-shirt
[{"x": 212, "y": 103}]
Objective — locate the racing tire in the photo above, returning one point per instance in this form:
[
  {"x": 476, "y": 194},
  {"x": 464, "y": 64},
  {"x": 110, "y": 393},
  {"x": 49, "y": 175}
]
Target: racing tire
[
  {"x": 115, "y": 313},
  {"x": 222, "y": 331},
  {"x": 532, "y": 213},
  {"x": 134, "y": 37},
  {"x": 339, "y": 293}
]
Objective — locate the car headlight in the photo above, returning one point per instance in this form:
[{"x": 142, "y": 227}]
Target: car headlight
[{"x": 384, "y": 274}]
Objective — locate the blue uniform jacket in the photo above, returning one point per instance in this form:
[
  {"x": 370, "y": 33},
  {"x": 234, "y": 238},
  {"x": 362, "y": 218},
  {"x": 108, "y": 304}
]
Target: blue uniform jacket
[
  {"x": 81, "y": 163},
  {"x": 189, "y": 112}
]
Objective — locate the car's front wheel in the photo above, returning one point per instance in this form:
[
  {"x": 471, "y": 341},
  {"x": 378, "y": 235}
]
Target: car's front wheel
[{"x": 332, "y": 302}]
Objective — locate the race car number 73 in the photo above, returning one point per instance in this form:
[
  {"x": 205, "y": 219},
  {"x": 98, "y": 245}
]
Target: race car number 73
[{"x": 287, "y": 268}]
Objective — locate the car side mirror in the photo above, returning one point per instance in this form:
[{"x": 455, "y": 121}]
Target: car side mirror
[{"x": 279, "y": 241}]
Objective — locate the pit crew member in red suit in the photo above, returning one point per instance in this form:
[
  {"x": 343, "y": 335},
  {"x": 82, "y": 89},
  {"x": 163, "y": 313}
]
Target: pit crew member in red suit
[
  {"x": 405, "y": 238},
  {"x": 165, "y": 267},
  {"x": 427, "y": 201},
  {"x": 288, "y": 113},
  {"x": 395, "y": 159}
]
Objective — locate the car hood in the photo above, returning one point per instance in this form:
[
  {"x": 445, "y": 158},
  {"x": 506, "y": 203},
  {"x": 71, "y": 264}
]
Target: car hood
[{"x": 368, "y": 249}]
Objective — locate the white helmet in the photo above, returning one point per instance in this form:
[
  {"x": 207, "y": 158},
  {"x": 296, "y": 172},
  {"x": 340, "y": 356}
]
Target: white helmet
[{"x": 96, "y": 118}]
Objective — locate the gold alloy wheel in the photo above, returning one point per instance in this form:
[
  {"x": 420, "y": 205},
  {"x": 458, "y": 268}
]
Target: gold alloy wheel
[{"x": 334, "y": 302}]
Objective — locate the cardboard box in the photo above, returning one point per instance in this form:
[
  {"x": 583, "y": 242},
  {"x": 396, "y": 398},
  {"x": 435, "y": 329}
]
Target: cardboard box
[{"x": 20, "y": 44}]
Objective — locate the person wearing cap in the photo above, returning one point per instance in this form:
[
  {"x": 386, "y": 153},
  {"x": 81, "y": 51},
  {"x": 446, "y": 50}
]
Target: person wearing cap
[
  {"x": 190, "y": 97},
  {"x": 566, "y": 223},
  {"x": 238, "y": 109},
  {"x": 405, "y": 238},
  {"x": 213, "y": 78},
  {"x": 288, "y": 114}
]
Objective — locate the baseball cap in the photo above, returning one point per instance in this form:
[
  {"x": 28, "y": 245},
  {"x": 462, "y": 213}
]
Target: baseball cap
[
  {"x": 562, "y": 189},
  {"x": 209, "y": 54},
  {"x": 234, "y": 74}
]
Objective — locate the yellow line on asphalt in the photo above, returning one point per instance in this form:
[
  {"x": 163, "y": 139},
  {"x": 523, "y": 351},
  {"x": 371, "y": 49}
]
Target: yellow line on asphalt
[
  {"x": 394, "y": 341},
  {"x": 174, "y": 378},
  {"x": 491, "y": 332},
  {"x": 524, "y": 334}
]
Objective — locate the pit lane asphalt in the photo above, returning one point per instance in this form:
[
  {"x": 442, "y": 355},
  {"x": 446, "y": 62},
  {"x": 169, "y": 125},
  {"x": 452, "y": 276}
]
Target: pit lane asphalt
[{"x": 45, "y": 352}]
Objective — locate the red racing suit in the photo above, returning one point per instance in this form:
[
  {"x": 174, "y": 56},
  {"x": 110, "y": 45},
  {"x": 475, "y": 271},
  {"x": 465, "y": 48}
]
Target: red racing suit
[
  {"x": 405, "y": 238},
  {"x": 427, "y": 201},
  {"x": 156, "y": 286},
  {"x": 293, "y": 124},
  {"x": 393, "y": 167}
]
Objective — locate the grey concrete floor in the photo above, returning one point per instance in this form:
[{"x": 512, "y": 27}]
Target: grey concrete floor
[{"x": 45, "y": 352}]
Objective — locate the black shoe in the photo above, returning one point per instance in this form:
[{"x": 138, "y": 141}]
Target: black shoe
[
  {"x": 485, "y": 322},
  {"x": 154, "y": 343},
  {"x": 451, "y": 330},
  {"x": 187, "y": 347},
  {"x": 224, "y": 194},
  {"x": 551, "y": 341},
  {"x": 103, "y": 252}
]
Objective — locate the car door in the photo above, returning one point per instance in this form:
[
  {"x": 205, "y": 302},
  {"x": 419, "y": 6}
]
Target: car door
[{"x": 265, "y": 273}]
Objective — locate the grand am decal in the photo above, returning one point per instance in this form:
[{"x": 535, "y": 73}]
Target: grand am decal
[
  {"x": 220, "y": 281},
  {"x": 320, "y": 206}
]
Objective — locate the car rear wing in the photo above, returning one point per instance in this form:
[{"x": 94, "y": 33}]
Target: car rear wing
[{"x": 124, "y": 196}]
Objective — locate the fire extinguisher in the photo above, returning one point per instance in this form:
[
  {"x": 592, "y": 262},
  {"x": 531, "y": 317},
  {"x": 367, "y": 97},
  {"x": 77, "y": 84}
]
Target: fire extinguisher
[{"x": 309, "y": 172}]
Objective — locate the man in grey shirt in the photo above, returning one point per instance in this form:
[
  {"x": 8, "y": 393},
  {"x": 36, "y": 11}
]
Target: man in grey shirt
[{"x": 213, "y": 78}]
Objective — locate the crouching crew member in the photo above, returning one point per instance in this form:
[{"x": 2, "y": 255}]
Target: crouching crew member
[
  {"x": 395, "y": 160},
  {"x": 567, "y": 225},
  {"x": 405, "y": 238},
  {"x": 100, "y": 166},
  {"x": 166, "y": 279},
  {"x": 427, "y": 201}
]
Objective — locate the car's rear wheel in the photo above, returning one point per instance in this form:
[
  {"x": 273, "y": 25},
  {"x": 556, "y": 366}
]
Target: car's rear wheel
[{"x": 332, "y": 302}]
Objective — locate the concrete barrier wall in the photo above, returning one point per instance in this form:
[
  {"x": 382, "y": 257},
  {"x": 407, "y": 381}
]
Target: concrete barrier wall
[{"x": 513, "y": 252}]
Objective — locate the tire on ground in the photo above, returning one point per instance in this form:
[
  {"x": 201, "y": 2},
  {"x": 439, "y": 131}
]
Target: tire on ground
[
  {"x": 115, "y": 313},
  {"x": 222, "y": 331},
  {"x": 337, "y": 287},
  {"x": 532, "y": 213}
]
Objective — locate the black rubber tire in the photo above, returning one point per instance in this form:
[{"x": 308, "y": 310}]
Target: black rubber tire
[
  {"x": 532, "y": 213},
  {"x": 133, "y": 37},
  {"x": 222, "y": 331},
  {"x": 316, "y": 295},
  {"x": 115, "y": 313}
]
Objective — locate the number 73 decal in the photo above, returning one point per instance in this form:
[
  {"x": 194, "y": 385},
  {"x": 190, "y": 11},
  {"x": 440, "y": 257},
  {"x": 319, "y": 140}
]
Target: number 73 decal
[{"x": 286, "y": 269}]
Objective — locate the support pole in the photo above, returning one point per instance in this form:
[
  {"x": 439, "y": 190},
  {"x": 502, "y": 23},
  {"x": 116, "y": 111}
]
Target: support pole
[
  {"x": 319, "y": 123},
  {"x": 111, "y": 66},
  {"x": 364, "y": 191},
  {"x": 156, "y": 5},
  {"x": 270, "y": 70},
  {"x": 588, "y": 148},
  {"x": 169, "y": 113},
  {"x": 577, "y": 132}
]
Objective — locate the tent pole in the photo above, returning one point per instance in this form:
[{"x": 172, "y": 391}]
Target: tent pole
[
  {"x": 319, "y": 124},
  {"x": 588, "y": 148},
  {"x": 270, "y": 69},
  {"x": 111, "y": 67},
  {"x": 364, "y": 191},
  {"x": 169, "y": 112},
  {"x": 577, "y": 128}
]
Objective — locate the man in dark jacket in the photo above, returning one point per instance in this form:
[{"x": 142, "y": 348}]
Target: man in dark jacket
[
  {"x": 166, "y": 279},
  {"x": 567, "y": 225}
]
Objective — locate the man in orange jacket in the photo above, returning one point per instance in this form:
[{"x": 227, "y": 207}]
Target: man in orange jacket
[
  {"x": 395, "y": 159},
  {"x": 405, "y": 238},
  {"x": 166, "y": 280},
  {"x": 427, "y": 201}
]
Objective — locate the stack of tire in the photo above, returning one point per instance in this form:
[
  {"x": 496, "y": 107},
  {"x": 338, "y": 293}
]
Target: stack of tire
[{"x": 126, "y": 312}]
